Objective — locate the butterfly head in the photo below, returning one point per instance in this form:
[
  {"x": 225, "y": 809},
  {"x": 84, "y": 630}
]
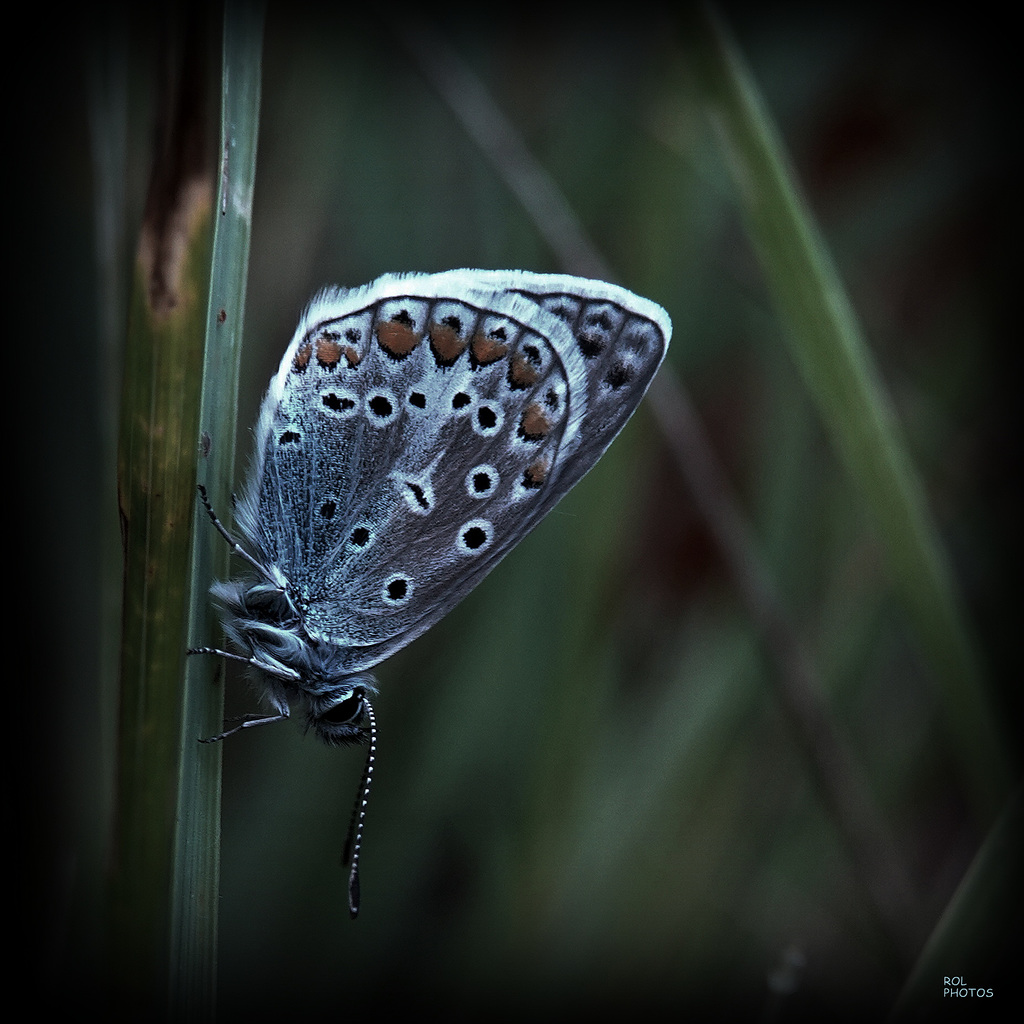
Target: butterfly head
[{"x": 338, "y": 714}]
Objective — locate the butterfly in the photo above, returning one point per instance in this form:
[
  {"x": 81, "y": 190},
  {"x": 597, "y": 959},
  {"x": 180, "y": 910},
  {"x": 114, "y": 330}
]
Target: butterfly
[{"x": 417, "y": 429}]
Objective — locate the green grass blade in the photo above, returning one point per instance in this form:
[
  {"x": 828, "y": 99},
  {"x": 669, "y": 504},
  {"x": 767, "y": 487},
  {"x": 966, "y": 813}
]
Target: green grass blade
[
  {"x": 196, "y": 878},
  {"x": 156, "y": 487},
  {"x": 827, "y": 345}
]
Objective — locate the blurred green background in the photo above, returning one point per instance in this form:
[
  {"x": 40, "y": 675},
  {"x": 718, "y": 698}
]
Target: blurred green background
[{"x": 586, "y": 790}]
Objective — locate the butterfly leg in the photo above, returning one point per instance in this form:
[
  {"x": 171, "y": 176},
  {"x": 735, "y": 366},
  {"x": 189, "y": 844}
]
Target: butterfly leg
[
  {"x": 222, "y": 654},
  {"x": 249, "y": 720},
  {"x": 283, "y": 671},
  {"x": 219, "y": 653},
  {"x": 247, "y": 723}
]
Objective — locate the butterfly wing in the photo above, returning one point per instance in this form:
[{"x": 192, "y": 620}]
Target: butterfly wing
[
  {"x": 419, "y": 427},
  {"x": 622, "y": 338}
]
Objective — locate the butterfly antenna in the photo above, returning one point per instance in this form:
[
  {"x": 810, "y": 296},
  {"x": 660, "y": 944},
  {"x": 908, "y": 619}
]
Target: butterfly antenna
[
  {"x": 235, "y": 546},
  {"x": 354, "y": 840}
]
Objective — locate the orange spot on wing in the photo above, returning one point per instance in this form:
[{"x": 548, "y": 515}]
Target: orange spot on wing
[
  {"x": 446, "y": 344},
  {"x": 534, "y": 425},
  {"x": 487, "y": 350},
  {"x": 328, "y": 351},
  {"x": 522, "y": 373},
  {"x": 397, "y": 339},
  {"x": 302, "y": 354},
  {"x": 536, "y": 474}
]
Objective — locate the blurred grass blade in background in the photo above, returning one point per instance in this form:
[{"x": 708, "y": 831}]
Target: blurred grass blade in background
[
  {"x": 828, "y": 347},
  {"x": 978, "y": 931},
  {"x": 795, "y": 679}
]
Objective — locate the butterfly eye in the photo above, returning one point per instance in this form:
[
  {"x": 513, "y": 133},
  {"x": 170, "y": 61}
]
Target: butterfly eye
[
  {"x": 345, "y": 711},
  {"x": 341, "y": 723}
]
